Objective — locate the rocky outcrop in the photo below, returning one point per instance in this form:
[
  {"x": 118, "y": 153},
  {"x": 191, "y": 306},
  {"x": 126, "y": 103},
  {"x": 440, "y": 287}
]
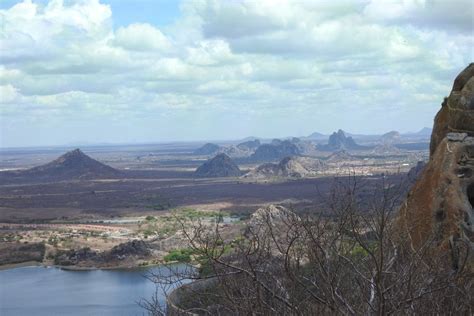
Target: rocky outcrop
[
  {"x": 277, "y": 150},
  {"x": 121, "y": 255},
  {"x": 219, "y": 166},
  {"x": 440, "y": 206},
  {"x": 457, "y": 112},
  {"x": 271, "y": 214},
  {"x": 339, "y": 141},
  {"x": 289, "y": 167},
  {"x": 207, "y": 149}
]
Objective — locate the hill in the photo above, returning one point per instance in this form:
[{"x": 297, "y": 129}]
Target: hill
[
  {"x": 249, "y": 145},
  {"x": 207, "y": 149},
  {"x": 317, "y": 136},
  {"x": 277, "y": 150},
  {"x": 339, "y": 141},
  {"x": 288, "y": 167},
  {"x": 72, "y": 165},
  {"x": 219, "y": 166},
  {"x": 390, "y": 138}
]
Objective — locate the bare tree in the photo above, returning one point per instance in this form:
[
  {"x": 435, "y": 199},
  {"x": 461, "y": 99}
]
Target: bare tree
[{"x": 349, "y": 259}]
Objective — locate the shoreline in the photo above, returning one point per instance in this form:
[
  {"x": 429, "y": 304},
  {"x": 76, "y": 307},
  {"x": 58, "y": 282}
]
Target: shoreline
[{"x": 11, "y": 266}]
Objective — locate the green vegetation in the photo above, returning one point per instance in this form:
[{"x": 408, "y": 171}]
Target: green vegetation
[
  {"x": 180, "y": 255},
  {"x": 193, "y": 214},
  {"x": 150, "y": 218}
]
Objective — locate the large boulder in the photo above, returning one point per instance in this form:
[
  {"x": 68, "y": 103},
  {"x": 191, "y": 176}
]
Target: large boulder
[{"x": 440, "y": 206}]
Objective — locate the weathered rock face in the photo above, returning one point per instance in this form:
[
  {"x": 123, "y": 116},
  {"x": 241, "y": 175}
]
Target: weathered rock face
[
  {"x": 440, "y": 206},
  {"x": 457, "y": 112},
  {"x": 416, "y": 171},
  {"x": 219, "y": 166}
]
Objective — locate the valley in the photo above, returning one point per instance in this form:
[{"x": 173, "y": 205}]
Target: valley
[{"x": 91, "y": 200}]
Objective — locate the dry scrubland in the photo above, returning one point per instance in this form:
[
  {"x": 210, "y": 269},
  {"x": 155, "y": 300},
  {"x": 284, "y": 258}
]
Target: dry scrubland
[{"x": 44, "y": 216}]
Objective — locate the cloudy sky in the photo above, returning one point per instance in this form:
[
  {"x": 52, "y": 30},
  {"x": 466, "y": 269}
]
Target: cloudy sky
[{"x": 149, "y": 71}]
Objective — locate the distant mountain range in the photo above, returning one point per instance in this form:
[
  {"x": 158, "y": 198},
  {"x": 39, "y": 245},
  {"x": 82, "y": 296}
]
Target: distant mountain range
[{"x": 424, "y": 133}]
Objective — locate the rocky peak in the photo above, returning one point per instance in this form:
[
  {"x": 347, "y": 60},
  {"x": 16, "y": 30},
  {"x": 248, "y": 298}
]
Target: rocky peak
[
  {"x": 72, "y": 156},
  {"x": 338, "y": 141}
]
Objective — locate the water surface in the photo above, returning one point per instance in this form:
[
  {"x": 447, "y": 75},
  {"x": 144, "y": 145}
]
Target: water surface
[{"x": 52, "y": 291}]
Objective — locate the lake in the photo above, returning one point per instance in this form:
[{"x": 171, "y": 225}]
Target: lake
[{"x": 51, "y": 291}]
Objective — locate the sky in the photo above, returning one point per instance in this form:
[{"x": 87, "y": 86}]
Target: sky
[{"x": 143, "y": 71}]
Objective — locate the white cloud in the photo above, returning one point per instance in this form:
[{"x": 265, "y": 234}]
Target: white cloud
[
  {"x": 453, "y": 15},
  {"x": 324, "y": 63},
  {"x": 142, "y": 37},
  {"x": 8, "y": 94}
]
